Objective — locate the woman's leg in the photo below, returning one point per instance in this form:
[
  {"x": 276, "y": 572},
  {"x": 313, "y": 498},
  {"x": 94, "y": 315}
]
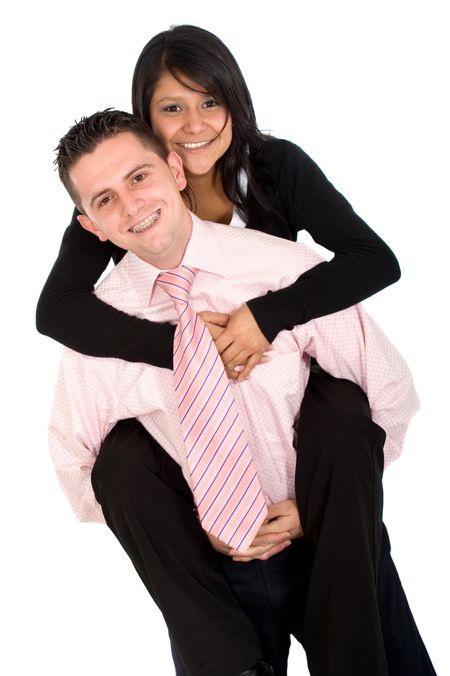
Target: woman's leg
[
  {"x": 350, "y": 620},
  {"x": 405, "y": 650},
  {"x": 148, "y": 506}
]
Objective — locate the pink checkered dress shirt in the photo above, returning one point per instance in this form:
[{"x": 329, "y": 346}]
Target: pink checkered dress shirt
[{"x": 93, "y": 393}]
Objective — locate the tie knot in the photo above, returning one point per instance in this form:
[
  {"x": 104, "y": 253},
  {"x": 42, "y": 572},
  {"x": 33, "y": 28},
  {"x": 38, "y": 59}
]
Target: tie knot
[{"x": 177, "y": 283}]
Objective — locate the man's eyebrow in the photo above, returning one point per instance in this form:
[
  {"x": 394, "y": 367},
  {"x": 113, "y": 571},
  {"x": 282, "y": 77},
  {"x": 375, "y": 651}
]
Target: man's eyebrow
[{"x": 138, "y": 167}]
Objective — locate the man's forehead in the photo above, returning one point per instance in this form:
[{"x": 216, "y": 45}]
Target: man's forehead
[
  {"x": 113, "y": 159},
  {"x": 123, "y": 145}
]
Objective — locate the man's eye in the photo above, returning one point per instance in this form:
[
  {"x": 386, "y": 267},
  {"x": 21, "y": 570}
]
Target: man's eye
[
  {"x": 104, "y": 201},
  {"x": 138, "y": 178}
]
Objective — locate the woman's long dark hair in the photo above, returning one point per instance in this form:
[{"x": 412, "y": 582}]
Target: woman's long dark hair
[{"x": 194, "y": 53}]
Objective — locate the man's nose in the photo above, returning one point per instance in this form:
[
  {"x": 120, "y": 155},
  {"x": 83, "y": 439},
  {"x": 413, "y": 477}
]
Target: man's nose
[{"x": 131, "y": 204}]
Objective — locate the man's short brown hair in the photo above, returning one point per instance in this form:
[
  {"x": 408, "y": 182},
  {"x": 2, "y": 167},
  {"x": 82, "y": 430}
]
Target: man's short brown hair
[{"x": 84, "y": 137}]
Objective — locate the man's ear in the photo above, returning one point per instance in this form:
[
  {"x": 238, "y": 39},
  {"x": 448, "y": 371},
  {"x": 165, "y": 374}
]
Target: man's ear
[
  {"x": 176, "y": 167},
  {"x": 89, "y": 225}
]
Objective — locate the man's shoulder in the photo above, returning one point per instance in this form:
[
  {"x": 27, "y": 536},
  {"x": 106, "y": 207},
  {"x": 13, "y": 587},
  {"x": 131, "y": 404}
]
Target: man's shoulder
[
  {"x": 231, "y": 236},
  {"x": 117, "y": 287},
  {"x": 260, "y": 248}
]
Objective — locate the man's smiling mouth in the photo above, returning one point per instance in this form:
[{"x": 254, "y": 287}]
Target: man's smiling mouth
[{"x": 147, "y": 223}]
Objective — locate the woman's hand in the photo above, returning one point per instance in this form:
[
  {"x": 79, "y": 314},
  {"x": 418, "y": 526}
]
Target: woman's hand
[
  {"x": 281, "y": 526},
  {"x": 238, "y": 339},
  {"x": 216, "y": 322}
]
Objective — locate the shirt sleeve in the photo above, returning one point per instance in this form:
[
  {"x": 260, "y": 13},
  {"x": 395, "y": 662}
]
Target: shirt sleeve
[
  {"x": 76, "y": 430},
  {"x": 71, "y": 313},
  {"x": 362, "y": 264},
  {"x": 350, "y": 345}
]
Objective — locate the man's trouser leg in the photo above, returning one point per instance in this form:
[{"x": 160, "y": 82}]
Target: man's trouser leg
[
  {"x": 148, "y": 506},
  {"x": 267, "y": 591}
]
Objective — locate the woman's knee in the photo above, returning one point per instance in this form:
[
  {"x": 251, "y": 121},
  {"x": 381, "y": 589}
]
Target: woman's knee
[
  {"x": 335, "y": 424},
  {"x": 122, "y": 454},
  {"x": 332, "y": 401}
]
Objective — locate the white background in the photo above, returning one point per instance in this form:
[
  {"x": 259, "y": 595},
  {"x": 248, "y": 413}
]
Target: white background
[{"x": 361, "y": 86}]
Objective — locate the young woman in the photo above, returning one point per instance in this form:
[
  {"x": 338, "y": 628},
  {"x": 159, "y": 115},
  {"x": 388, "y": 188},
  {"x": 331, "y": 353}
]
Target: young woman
[{"x": 188, "y": 87}]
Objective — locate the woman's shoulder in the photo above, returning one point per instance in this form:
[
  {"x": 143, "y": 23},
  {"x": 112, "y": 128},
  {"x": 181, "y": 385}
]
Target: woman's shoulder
[{"x": 279, "y": 155}]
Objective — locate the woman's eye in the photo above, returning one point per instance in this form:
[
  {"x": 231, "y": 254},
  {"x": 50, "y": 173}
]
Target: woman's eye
[
  {"x": 173, "y": 108},
  {"x": 211, "y": 103}
]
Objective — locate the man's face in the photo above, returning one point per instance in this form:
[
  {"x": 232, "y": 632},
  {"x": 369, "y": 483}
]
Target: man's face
[{"x": 132, "y": 197}]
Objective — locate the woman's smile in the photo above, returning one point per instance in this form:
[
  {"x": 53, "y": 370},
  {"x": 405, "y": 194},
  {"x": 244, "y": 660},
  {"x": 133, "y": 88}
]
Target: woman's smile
[{"x": 191, "y": 122}]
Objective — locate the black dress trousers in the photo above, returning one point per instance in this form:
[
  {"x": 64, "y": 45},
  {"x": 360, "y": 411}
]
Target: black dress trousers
[
  {"x": 340, "y": 500},
  {"x": 148, "y": 505},
  {"x": 336, "y": 589}
]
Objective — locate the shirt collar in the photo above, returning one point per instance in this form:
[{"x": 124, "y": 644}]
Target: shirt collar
[{"x": 203, "y": 252}]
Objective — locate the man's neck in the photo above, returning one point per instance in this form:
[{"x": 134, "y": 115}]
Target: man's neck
[{"x": 174, "y": 257}]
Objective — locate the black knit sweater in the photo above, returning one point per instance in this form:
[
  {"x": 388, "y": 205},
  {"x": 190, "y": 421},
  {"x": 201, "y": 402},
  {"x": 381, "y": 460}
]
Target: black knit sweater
[{"x": 301, "y": 199}]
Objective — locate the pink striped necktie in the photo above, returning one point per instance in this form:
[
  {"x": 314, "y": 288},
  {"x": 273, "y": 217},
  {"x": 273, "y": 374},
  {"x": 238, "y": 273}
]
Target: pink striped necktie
[{"x": 225, "y": 485}]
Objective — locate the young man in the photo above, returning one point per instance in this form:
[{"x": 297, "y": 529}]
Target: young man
[{"x": 324, "y": 561}]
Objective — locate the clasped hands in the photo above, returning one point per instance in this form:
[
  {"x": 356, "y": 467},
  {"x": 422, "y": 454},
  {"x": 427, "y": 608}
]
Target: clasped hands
[
  {"x": 238, "y": 340},
  {"x": 281, "y": 526}
]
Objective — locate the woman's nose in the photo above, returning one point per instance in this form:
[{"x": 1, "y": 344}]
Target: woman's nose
[{"x": 194, "y": 122}]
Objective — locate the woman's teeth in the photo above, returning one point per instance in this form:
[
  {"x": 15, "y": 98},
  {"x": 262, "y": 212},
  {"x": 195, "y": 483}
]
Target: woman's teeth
[
  {"x": 193, "y": 146},
  {"x": 145, "y": 225}
]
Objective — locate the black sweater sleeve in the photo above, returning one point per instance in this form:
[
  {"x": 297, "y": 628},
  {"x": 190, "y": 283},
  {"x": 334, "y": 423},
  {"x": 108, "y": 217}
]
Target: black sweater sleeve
[
  {"x": 70, "y": 313},
  {"x": 304, "y": 199},
  {"x": 301, "y": 197}
]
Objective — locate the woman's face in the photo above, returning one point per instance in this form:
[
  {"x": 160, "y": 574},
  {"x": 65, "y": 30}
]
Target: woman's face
[{"x": 192, "y": 123}]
